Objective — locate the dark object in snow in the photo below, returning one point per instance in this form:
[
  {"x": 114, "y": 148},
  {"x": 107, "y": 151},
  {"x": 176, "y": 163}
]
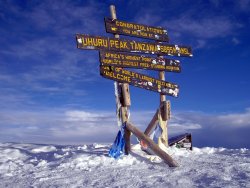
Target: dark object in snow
[{"x": 181, "y": 141}]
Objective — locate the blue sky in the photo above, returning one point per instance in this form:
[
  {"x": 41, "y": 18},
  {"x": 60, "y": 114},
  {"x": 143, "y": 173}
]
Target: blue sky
[{"x": 52, "y": 92}]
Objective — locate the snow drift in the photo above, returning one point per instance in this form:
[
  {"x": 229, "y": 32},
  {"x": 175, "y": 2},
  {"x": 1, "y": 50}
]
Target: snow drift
[{"x": 24, "y": 165}]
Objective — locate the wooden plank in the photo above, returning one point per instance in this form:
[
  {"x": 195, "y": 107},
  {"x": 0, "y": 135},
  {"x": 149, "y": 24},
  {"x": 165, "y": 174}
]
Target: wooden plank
[
  {"x": 156, "y": 149},
  {"x": 110, "y": 58},
  {"x": 91, "y": 42},
  {"x": 151, "y": 126},
  {"x": 136, "y": 30},
  {"x": 139, "y": 80}
]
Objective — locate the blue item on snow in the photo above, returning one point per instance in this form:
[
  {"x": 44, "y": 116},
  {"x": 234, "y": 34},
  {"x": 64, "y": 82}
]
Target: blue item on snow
[{"x": 118, "y": 147}]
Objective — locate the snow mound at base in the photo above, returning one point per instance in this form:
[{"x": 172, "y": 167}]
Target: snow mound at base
[{"x": 31, "y": 165}]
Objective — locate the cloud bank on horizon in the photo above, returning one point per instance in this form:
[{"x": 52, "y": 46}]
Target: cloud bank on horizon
[{"x": 52, "y": 92}]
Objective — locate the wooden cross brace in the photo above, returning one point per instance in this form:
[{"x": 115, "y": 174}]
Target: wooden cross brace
[{"x": 153, "y": 146}]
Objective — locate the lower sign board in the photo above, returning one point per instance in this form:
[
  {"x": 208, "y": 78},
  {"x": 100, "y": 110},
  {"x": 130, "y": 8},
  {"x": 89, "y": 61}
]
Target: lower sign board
[
  {"x": 139, "y": 80},
  {"x": 109, "y": 58},
  {"x": 113, "y": 44}
]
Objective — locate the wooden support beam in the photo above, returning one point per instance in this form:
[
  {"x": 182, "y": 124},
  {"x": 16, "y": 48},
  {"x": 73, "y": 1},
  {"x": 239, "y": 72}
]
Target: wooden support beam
[
  {"x": 164, "y": 114},
  {"x": 124, "y": 95},
  {"x": 152, "y": 124},
  {"x": 162, "y": 120},
  {"x": 162, "y": 77},
  {"x": 155, "y": 148},
  {"x": 163, "y": 139}
]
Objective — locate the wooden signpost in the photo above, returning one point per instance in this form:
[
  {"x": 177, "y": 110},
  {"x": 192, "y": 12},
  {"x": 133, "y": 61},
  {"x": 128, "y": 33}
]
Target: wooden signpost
[
  {"x": 116, "y": 54},
  {"x": 137, "y": 30},
  {"x": 125, "y": 60},
  {"x": 139, "y": 80}
]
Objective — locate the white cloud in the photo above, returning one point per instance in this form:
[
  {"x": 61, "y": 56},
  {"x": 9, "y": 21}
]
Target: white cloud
[
  {"x": 209, "y": 27},
  {"x": 77, "y": 115},
  {"x": 235, "y": 120},
  {"x": 79, "y": 126}
]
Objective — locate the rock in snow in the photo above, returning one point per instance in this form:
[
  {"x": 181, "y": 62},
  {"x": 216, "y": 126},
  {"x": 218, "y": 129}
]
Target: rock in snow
[{"x": 33, "y": 165}]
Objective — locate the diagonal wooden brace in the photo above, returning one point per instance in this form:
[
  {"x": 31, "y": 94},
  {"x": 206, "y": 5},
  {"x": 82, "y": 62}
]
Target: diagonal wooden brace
[
  {"x": 151, "y": 126},
  {"x": 154, "y": 147}
]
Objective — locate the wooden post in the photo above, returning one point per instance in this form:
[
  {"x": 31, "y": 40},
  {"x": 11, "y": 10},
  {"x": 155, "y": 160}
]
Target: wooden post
[
  {"x": 162, "y": 121},
  {"x": 152, "y": 124},
  {"x": 155, "y": 148},
  {"x": 124, "y": 96}
]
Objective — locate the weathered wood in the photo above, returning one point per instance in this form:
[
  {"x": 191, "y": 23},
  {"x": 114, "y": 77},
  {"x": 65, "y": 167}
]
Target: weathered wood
[
  {"x": 162, "y": 77},
  {"x": 165, "y": 110},
  {"x": 151, "y": 126},
  {"x": 129, "y": 60},
  {"x": 90, "y": 42},
  {"x": 126, "y": 95},
  {"x": 162, "y": 120},
  {"x": 113, "y": 16},
  {"x": 163, "y": 139},
  {"x": 136, "y": 30},
  {"x": 127, "y": 135},
  {"x": 156, "y": 149},
  {"x": 168, "y": 110},
  {"x": 139, "y": 80},
  {"x": 125, "y": 99}
]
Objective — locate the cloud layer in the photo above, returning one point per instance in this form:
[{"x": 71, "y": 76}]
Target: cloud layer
[{"x": 80, "y": 126}]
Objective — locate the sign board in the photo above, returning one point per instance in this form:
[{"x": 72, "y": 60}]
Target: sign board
[
  {"x": 112, "y": 44},
  {"x": 139, "y": 80},
  {"x": 137, "y": 30},
  {"x": 110, "y": 58}
]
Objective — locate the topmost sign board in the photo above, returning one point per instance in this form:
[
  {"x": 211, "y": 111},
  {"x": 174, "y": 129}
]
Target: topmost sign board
[{"x": 136, "y": 30}]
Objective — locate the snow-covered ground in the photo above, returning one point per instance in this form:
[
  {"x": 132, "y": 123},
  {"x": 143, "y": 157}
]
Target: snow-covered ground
[{"x": 32, "y": 165}]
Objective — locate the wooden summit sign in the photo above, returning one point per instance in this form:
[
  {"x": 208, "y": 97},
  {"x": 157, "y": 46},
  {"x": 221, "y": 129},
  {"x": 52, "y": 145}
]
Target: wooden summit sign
[
  {"x": 137, "y": 30},
  {"x": 104, "y": 43},
  {"x": 139, "y": 80},
  {"x": 109, "y": 58},
  {"x": 116, "y": 54}
]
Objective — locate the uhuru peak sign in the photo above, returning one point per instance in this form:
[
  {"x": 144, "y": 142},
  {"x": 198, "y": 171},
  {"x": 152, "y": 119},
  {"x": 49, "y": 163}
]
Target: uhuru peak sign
[
  {"x": 137, "y": 30},
  {"x": 113, "y": 59},
  {"x": 104, "y": 43},
  {"x": 139, "y": 80},
  {"x": 116, "y": 59}
]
